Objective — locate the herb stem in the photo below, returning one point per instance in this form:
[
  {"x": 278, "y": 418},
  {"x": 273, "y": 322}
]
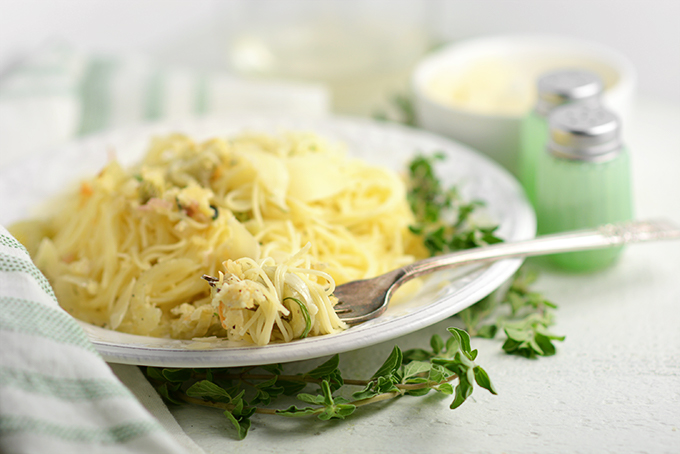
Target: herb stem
[
  {"x": 427, "y": 384},
  {"x": 272, "y": 411},
  {"x": 220, "y": 405},
  {"x": 249, "y": 378},
  {"x": 378, "y": 398},
  {"x": 402, "y": 388}
]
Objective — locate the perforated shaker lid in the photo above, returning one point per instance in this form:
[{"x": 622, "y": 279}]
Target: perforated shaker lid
[
  {"x": 584, "y": 133},
  {"x": 565, "y": 86}
]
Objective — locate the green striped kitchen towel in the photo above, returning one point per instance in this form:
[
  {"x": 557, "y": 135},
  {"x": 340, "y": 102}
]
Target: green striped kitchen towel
[
  {"x": 57, "y": 94},
  {"x": 57, "y": 395}
]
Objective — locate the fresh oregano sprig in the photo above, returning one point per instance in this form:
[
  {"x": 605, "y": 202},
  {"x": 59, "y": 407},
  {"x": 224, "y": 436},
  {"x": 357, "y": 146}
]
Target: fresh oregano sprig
[
  {"x": 443, "y": 219},
  {"x": 524, "y": 316},
  {"x": 242, "y": 392},
  {"x": 446, "y": 225}
]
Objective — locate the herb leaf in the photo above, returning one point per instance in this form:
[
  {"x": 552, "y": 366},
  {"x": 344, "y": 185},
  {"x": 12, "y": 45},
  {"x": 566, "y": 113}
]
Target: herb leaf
[
  {"x": 206, "y": 389},
  {"x": 329, "y": 371},
  {"x": 391, "y": 365}
]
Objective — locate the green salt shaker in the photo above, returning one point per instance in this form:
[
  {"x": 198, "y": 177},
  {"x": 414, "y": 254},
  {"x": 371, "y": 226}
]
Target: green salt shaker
[
  {"x": 555, "y": 89},
  {"x": 583, "y": 180}
]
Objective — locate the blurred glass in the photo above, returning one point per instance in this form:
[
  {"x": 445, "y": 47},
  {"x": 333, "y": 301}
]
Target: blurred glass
[{"x": 362, "y": 50}]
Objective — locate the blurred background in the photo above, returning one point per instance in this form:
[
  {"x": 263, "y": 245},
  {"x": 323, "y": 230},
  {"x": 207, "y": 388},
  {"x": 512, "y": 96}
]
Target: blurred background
[
  {"x": 201, "y": 32},
  {"x": 349, "y": 56}
]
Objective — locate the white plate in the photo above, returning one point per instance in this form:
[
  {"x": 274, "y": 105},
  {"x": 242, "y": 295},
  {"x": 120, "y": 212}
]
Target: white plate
[{"x": 26, "y": 185}]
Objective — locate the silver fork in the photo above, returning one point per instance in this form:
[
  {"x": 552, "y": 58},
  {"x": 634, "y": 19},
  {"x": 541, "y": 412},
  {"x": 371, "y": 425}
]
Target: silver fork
[{"x": 366, "y": 299}]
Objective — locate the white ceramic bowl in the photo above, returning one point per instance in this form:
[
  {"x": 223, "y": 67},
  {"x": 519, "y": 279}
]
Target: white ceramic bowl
[{"x": 492, "y": 125}]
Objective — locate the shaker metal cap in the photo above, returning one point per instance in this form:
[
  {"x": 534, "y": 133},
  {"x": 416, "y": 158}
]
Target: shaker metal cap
[
  {"x": 564, "y": 86},
  {"x": 584, "y": 133}
]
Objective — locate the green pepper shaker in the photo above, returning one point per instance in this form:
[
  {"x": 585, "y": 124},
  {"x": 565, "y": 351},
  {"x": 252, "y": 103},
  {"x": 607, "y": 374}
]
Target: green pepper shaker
[
  {"x": 583, "y": 180},
  {"x": 555, "y": 89}
]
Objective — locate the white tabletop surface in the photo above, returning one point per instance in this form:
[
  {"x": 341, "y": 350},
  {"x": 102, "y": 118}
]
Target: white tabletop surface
[{"x": 613, "y": 386}]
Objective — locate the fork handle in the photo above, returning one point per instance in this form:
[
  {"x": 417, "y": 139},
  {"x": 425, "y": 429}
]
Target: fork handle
[{"x": 601, "y": 237}]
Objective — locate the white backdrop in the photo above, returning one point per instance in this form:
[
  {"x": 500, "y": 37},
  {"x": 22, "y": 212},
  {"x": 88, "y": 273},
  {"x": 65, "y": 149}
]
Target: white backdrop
[{"x": 194, "y": 31}]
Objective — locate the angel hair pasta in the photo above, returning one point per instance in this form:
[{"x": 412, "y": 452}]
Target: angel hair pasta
[{"x": 272, "y": 223}]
